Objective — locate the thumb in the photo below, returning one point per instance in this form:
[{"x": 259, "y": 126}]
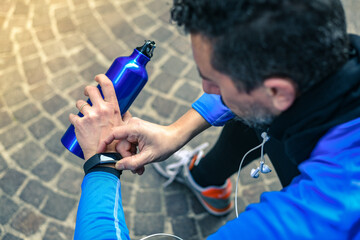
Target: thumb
[{"x": 133, "y": 162}]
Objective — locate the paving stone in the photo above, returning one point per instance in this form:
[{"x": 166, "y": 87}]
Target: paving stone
[
  {"x": 9, "y": 236},
  {"x": 5, "y": 118},
  {"x": 6, "y": 46},
  {"x": 34, "y": 71},
  {"x": 252, "y": 194},
  {"x": 148, "y": 202},
  {"x": 8, "y": 62},
  {"x": 90, "y": 72},
  {"x": 126, "y": 192},
  {"x": 3, "y": 164},
  {"x": 72, "y": 41},
  {"x": 210, "y": 224},
  {"x": 181, "y": 45},
  {"x": 21, "y": 8},
  {"x": 34, "y": 193},
  {"x": 41, "y": 91},
  {"x": 78, "y": 93},
  {"x": 28, "y": 50},
  {"x": 12, "y": 136},
  {"x": 54, "y": 104},
  {"x": 64, "y": 117},
  {"x": 164, "y": 107},
  {"x": 157, "y": 6},
  {"x": 28, "y": 155},
  {"x": 148, "y": 224},
  {"x": 176, "y": 205},
  {"x": 99, "y": 38},
  {"x": 56, "y": 231},
  {"x": 144, "y": 22},
  {"x": 47, "y": 169},
  {"x": 14, "y": 96},
  {"x": 27, "y": 222},
  {"x": 83, "y": 56},
  {"x": 70, "y": 181},
  {"x": 54, "y": 145},
  {"x": 65, "y": 25},
  {"x": 113, "y": 51},
  {"x": 23, "y": 36},
  {"x": 8, "y": 79},
  {"x": 52, "y": 50},
  {"x": 195, "y": 205},
  {"x": 163, "y": 82},
  {"x": 130, "y": 7},
  {"x": 41, "y": 127},
  {"x": 57, "y": 64},
  {"x": 122, "y": 30},
  {"x": 188, "y": 92},
  {"x": 174, "y": 66},
  {"x": 7, "y": 209},
  {"x": 58, "y": 206},
  {"x": 141, "y": 99},
  {"x": 150, "y": 179},
  {"x": 106, "y": 8},
  {"x": 11, "y": 181},
  {"x": 26, "y": 113},
  {"x": 162, "y": 34},
  {"x": 184, "y": 227},
  {"x": 45, "y": 34}
]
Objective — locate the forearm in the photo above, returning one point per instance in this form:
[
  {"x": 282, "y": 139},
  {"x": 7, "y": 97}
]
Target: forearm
[
  {"x": 188, "y": 126},
  {"x": 100, "y": 214}
]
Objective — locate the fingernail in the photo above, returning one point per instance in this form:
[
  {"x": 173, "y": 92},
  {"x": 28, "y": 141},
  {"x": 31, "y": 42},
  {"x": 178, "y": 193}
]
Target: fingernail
[{"x": 119, "y": 166}]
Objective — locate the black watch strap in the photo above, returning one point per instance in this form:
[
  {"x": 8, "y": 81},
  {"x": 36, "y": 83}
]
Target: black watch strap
[{"x": 102, "y": 158}]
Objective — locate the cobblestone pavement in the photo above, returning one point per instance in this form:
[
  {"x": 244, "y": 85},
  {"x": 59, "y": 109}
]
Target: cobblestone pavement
[{"x": 51, "y": 49}]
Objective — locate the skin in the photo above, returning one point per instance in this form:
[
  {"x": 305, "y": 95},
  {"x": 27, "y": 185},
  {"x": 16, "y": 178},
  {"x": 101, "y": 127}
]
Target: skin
[
  {"x": 260, "y": 105},
  {"x": 155, "y": 142}
]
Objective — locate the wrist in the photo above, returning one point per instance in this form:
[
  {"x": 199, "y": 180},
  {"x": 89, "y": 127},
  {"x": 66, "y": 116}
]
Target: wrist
[{"x": 102, "y": 162}]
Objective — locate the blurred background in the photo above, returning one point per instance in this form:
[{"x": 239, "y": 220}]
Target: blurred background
[{"x": 49, "y": 51}]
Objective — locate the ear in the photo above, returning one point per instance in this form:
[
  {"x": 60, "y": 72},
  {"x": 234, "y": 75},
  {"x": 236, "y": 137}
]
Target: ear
[{"x": 282, "y": 92}]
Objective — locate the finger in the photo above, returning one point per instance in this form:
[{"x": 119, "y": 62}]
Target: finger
[
  {"x": 73, "y": 118},
  {"x": 140, "y": 171},
  {"x": 83, "y": 106},
  {"x": 121, "y": 132},
  {"x": 107, "y": 89},
  {"x": 94, "y": 94},
  {"x": 133, "y": 162}
]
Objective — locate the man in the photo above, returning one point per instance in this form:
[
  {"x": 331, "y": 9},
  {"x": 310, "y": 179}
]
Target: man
[{"x": 286, "y": 67}]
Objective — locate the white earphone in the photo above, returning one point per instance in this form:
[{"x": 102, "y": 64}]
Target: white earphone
[{"x": 263, "y": 168}]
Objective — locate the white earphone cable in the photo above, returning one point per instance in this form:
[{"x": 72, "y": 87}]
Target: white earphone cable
[
  {"x": 161, "y": 234},
  {"x": 265, "y": 138}
]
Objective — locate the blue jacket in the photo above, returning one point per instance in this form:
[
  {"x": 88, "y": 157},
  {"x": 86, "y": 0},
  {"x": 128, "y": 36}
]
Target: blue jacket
[{"x": 323, "y": 202}]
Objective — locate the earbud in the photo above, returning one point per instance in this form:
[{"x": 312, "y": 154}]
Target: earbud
[{"x": 255, "y": 172}]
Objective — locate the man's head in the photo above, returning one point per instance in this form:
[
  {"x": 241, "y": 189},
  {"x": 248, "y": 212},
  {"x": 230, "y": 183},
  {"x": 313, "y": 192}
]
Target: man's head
[{"x": 273, "y": 46}]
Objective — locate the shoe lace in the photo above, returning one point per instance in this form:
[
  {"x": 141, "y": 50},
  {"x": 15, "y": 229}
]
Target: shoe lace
[{"x": 183, "y": 157}]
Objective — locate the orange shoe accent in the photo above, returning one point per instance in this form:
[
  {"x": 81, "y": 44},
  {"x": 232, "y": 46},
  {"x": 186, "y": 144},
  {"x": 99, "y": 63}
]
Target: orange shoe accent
[
  {"x": 219, "y": 193},
  {"x": 192, "y": 162}
]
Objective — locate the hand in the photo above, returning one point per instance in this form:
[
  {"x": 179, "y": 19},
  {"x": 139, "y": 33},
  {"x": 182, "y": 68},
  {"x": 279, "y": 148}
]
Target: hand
[
  {"x": 99, "y": 119},
  {"x": 154, "y": 142}
]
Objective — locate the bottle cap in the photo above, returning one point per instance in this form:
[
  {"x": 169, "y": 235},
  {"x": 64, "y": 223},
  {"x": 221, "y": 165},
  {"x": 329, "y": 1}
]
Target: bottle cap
[{"x": 148, "y": 48}]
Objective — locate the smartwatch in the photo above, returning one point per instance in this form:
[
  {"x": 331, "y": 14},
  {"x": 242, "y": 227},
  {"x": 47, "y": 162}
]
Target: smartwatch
[{"x": 94, "y": 163}]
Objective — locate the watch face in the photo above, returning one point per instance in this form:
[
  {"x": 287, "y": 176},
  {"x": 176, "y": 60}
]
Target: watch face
[{"x": 104, "y": 159}]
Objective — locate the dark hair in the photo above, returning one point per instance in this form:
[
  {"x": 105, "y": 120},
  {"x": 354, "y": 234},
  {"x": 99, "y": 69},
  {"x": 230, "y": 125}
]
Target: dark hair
[{"x": 302, "y": 40}]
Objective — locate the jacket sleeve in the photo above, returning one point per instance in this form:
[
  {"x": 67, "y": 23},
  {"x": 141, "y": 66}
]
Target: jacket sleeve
[
  {"x": 323, "y": 202},
  {"x": 100, "y": 213},
  {"x": 212, "y": 109}
]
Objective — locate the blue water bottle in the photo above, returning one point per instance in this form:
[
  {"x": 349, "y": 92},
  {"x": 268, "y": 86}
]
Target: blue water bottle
[{"x": 129, "y": 76}]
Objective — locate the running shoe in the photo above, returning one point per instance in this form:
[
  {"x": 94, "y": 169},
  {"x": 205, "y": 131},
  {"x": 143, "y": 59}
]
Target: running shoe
[{"x": 215, "y": 199}]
